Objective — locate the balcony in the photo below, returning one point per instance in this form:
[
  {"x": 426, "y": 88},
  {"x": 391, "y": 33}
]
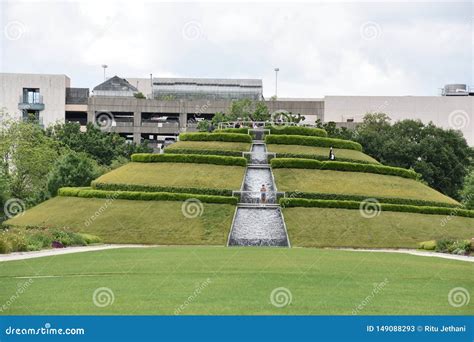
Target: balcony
[{"x": 28, "y": 102}]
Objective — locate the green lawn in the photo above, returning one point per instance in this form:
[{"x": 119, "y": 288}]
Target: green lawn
[
  {"x": 320, "y": 151},
  {"x": 122, "y": 221},
  {"x": 210, "y": 145},
  {"x": 177, "y": 175},
  {"x": 321, "y": 227},
  {"x": 235, "y": 281},
  {"x": 355, "y": 183}
]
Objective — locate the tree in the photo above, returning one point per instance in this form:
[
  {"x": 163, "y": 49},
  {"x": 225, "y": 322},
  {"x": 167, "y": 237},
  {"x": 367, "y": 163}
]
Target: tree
[
  {"x": 240, "y": 110},
  {"x": 139, "y": 95},
  {"x": 261, "y": 112},
  {"x": 467, "y": 192},
  {"x": 73, "y": 169}
]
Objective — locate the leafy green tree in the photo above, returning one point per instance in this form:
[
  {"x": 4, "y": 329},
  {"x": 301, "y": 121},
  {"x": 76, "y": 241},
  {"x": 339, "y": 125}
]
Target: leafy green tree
[
  {"x": 73, "y": 169},
  {"x": 240, "y": 110},
  {"x": 261, "y": 112},
  {"x": 467, "y": 193}
]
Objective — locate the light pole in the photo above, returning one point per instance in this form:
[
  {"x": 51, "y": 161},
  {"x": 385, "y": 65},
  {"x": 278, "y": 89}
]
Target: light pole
[
  {"x": 276, "y": 82},
  {"x": 105, "y": 66}
]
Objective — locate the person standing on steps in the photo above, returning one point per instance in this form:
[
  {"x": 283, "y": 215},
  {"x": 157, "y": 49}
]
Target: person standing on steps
[
  {"x": 263, "y": 194},
  {"x": 332, "y": 156}
]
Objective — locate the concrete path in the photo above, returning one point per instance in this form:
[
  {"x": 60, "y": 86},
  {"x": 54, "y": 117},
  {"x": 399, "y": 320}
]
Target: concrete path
[{"x": 412, "y": 252}]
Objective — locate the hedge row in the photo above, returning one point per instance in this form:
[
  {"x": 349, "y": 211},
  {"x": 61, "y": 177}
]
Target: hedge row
[
  {"x": 241, "y": 130},
  {"x": 176, "y": 150},
  {"x": 302, "y": 202},
  {"x": 188, "y": 158},
  {"x": 154, "y": 188},
  {"x": 298, "y": 130},
  {"x": 320, "y": 157},
  {"x": 229, "y": 137},
  {"x": 298, "y": 163},
  {"x": 359, "y": 198},
  {"x": 145, "y": 196},
  {"x": 312, "y": 141}
]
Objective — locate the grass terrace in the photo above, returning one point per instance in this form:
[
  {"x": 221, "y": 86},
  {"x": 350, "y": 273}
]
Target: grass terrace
[
  {"x": 356, "y": 183},
  {"x": 322, "y": 153},
  {"x": 124, "y": 221},
  {"x": 207, "y": 147},
  {"x": 236, "y": 281},
  {"x": 323, "y": 227},
  {"x": 177, "y": 175}
]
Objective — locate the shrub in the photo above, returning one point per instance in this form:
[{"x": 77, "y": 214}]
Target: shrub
[
  {"x": 312, "y": 141},
  {"x": 147, "y": 196},
  {"x": 204, "y": 152},
  {"x": 39, "y": 240},
  {"x": 5, "y": 246},
  {"x": 230, "y": 137},
  {"x": 90, "y": 239},
  {"x": 18, "y": 242},
  {"x": 152, "y": 188},
  {"x": 303, "y": 202},
  {"x": 188, "y": 158},
  {"x": 241, "y": 130},
  {"x": 298, "y": 130},
  {"x": 453, "y": 246},
  {"x": 359, "y": 198},
  {"x": 428, "y": 245},
  {"x": 67, "y": 238},
  {"x": 298, "y": 163}
]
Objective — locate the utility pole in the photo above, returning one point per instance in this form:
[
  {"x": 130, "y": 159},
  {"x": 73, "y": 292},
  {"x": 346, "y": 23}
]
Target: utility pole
[{"x": 276, "y": 82}]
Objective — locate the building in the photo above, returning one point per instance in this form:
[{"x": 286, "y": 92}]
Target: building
[{"x": 172, "y": 106}]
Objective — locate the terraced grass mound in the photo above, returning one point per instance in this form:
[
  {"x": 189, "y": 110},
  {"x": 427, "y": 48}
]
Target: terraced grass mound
[
  {"x": 355, "y": 183},
  {"x": 125, "y": 221},
  {"x": 160, "y": 176},
  {"x": 236, "y": 281},
  {"x": 323, "y": 227},
  {"x": 209, "y": 147},
  {"x": 320, "y": 153}
]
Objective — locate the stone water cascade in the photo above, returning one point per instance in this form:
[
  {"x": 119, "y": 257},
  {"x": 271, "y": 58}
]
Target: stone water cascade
[{"x": 256, "y": 223}]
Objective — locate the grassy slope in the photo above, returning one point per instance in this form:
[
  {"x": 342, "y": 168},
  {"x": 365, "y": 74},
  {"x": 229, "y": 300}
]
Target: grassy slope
[
  {"x": 122, "y": 221},
  {"x": 355, "y": 183},
  {"x": 320, "y": 151},
  {"x": 320, "y": 227},
  {"x": 159, "y": 280},
  {"x": 209, "y": 145},
  {"x": 177, "y": 175}
]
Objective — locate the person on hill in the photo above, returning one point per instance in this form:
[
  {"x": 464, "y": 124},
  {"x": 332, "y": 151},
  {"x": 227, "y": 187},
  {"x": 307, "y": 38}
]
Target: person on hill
[
  {"x": 332, "y": 156},
  {"x": 263, "y": 194}
]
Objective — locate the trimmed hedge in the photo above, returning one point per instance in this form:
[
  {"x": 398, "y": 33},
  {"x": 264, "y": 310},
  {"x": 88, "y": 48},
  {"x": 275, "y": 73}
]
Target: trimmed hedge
[
  {"x": 145, "y": 196},
  {"x": 241, "y": 130},
  {"x": 359, "y": 198},
  {"x": 229, "y": 137},
  {"x": 320, "y": 157},
  {"x": 312, "y": 141},
  {"x": 302, "y": 202},
  {"x": 188, "y": 158},
  {"x": 298, "y": 130},
  {"x": 298, "y": 163},
  {"x": 154, "y": 188},
  {"x": 203, "y": 152}
]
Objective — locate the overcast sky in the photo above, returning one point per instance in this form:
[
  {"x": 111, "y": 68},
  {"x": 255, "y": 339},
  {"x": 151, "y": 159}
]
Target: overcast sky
[{"x": 323, "y": 48}]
